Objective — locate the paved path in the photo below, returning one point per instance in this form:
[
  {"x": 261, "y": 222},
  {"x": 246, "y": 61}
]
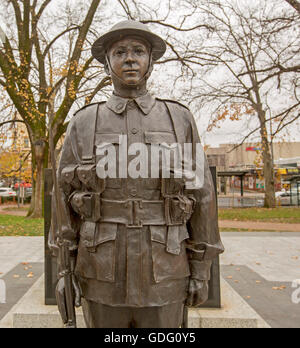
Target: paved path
[
  {"x": 15, "y": 250},
  {"x": 262, "y": 267},
  {"x": 259, "y": 226},
  {"x": 254, "y": 262},
  {"x": 13, "y": 210}
]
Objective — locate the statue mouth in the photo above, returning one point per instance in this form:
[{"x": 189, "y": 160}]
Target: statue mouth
[{"x": 131, "y": 71}]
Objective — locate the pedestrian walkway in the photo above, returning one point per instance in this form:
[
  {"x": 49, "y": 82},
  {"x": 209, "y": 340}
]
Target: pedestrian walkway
[
  {"x": 259, "y": 266},
  {"x": 9, "y": 209},
  {"x": 259, "y": 226},
  {"x": 263, "y": 269}
]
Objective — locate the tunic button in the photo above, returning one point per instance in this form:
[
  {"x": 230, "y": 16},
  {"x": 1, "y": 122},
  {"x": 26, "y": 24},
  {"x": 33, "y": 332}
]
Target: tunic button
[
  {"x": 119, "y": 106},
  {"x": 84, "y": 176},
  {"x": 134, "y": 131},
  {"x": 133, "y": 192}
]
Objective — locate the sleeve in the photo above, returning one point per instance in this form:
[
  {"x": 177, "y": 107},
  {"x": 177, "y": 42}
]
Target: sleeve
[
  {"x": 71, "y": 221},
  {"x": 204, "y": 243}
]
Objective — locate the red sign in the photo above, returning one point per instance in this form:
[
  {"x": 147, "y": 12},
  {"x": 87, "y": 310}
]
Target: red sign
[{"x": 253, "y": 148}]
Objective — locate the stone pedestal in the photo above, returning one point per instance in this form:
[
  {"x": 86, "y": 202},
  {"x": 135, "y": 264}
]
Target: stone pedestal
[{"x": 30, "y": 312}]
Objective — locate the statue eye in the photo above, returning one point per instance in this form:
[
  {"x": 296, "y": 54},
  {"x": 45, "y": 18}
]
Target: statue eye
[
  {"x": 119, "y": 52},
  {"x": 139, "y": 51}
]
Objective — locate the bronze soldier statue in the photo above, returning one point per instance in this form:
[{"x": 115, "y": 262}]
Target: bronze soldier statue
[{"x": 141, "y": 248}]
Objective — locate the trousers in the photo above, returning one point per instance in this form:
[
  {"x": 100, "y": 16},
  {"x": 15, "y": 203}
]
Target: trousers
[{"x": 97, "y": 315}]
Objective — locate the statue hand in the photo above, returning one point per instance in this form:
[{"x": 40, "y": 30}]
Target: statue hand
[
  {"x": 60, "y": 296},
  {"x": 197, "y": 292}
]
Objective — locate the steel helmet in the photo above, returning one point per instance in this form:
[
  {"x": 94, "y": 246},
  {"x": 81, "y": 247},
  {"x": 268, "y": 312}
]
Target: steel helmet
[{"x": 126, "y": 28}]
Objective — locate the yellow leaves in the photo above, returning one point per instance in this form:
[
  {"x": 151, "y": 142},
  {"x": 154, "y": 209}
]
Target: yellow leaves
[
  {"x": 233, "y": 112},
  {"x": 30, "y": 275},
  {"x": 282, "y": 287}
]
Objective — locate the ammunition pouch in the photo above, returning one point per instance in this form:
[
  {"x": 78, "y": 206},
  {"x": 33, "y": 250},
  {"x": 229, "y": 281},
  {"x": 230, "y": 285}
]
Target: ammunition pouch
[
  {"x": 88, "y": 177},
  {"x": 87, "y": 205},
  {"x": 69, "y": 179},
  {"x": 178, "y": 209}
]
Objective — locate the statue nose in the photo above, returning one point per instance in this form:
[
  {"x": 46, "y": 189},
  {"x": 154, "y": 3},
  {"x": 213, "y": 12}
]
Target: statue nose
[{"x": 130, "y": 58}]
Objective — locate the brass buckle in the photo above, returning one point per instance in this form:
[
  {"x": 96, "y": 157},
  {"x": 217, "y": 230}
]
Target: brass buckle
[{"x": 134, "y": 205}]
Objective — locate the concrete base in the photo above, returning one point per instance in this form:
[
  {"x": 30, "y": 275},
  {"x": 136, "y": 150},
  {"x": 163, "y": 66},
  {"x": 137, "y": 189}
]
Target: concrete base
[{"x": 30, "y": 312}]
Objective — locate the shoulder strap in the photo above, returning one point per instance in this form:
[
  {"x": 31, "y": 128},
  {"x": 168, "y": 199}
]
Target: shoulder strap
[
  {"x": 86, "y": 124},
  {"x": 177, "y": 120}
]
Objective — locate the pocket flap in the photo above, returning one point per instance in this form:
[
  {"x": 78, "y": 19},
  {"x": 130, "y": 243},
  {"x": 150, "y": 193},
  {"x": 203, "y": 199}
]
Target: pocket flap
[
  {"x": 176, "y": 234},
  {"x": 159, "y": 234},
  {"x": 68, "y": 173},
  {"x": 106, "y": 232},
  {"x": 93, "y": 234},
  {"x": 108, "y": 138},
  {"x": 159, "y": 138}
]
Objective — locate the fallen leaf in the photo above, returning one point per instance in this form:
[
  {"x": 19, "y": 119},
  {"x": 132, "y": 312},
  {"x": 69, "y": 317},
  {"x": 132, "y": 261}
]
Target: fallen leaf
[
  {"x": 24, "y": 263},
  {"x": 229, "y": 277},
  {"x": 295, "y": 257},
  {"x": 282, "y": 287},
  {"x": 238, "y": 269},
  {"x": 236, "y": 281},
  {"x": 258, "y": 282},
  {"x": 30, "y": 275},
  {"x": 16, "y": 276},
  {"x": 258, "y": 263},
  {"x": 25, "y": 268},
  {"x": 247, "y": 297}
]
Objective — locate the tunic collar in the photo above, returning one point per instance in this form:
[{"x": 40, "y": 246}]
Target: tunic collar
[{"x": 118, "y": 104}]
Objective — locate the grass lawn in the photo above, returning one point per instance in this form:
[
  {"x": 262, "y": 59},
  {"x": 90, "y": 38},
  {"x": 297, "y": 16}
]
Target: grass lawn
[
  {"x": 20, "y": 226},
  {"x": 280, "y": 215}
]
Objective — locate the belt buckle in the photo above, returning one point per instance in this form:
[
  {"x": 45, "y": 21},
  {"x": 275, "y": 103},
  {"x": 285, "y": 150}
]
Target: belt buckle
[{"x": 133, "y": 205}]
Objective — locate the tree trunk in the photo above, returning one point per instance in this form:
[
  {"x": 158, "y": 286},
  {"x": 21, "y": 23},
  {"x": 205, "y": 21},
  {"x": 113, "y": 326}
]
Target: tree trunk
[
  {"x": 39, "y": 161},
  {"x": 270, "y": 201},
  {"x": 37, "y": 211}
]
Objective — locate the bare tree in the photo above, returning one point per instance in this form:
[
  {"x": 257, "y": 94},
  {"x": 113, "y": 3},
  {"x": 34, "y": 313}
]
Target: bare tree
[
  {"x": 45, "y": 70},
  {"x": 256, "y": 60},
  {"x": 295, "y": 4},
  {"x": 235, "y": 58}
]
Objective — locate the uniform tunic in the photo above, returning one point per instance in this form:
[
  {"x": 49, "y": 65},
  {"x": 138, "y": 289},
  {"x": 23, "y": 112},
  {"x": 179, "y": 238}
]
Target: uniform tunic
[{"x": 144, "y": 266}]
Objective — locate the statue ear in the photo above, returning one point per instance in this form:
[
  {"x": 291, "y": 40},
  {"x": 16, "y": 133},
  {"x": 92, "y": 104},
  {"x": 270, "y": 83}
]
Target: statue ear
[
  {"x": 107, "y": 67},
  {"x": 151, "y": 66}
]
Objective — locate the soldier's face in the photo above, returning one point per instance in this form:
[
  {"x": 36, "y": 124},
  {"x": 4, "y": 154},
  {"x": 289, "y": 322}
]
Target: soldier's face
[{"x": 129, "y": 59}]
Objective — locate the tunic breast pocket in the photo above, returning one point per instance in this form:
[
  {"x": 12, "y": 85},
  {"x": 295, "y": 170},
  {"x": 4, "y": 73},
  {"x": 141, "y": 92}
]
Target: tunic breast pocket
[
  {"x": 165, "y": 153},
  {"x": 96, "y": 254},
  {"x": 108, "y": 158},
  {"x": 169, "y": 256}
]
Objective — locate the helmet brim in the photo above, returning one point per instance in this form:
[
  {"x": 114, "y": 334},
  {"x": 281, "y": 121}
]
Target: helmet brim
[{"x": 100, "y": 46}]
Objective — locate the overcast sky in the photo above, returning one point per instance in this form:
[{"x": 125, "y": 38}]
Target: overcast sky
[{"x": 229, "y": 131}]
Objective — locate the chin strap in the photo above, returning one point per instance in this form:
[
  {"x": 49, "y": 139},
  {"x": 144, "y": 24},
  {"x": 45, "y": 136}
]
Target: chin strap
[{"x": 144, "y": 78}]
